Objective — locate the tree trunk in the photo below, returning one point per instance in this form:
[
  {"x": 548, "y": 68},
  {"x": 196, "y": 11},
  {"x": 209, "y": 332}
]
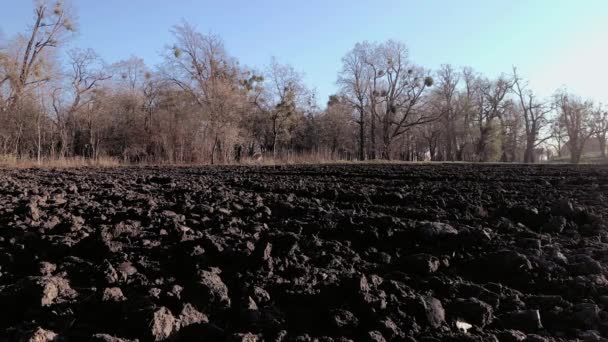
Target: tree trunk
[
  {"x": 39, "y": 147},
  {"x": 372, "y": 132},
  {"x": 386, "y": 138},
  {"x": 386, "y": 146},
  {"x": 575, "y": 151},
  {"x": 432, "y": 150},
  {"x": 275, "y": 135},
  {"x": 503, "y": 142},
  {"x": 62, "y": 142},
  {"x": 575, "y": 157},
  {"x": 450, "y": 140},
  {"x": 361, "y": 135},
  {"x": 213, "y": 151},
  {"x": 481, "y": 146},
  {"x": 602, "y": 142},
  {"x": 18, "y": 139},
  {"x": 529, "y": 157}
]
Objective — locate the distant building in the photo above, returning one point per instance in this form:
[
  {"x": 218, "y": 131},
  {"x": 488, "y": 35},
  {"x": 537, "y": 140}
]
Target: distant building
[{"x": 592, "y": 147}]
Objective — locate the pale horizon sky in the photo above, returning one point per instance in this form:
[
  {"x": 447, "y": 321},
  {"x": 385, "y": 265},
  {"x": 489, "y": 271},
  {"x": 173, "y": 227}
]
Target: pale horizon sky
[{"x": 553, "y": 43}]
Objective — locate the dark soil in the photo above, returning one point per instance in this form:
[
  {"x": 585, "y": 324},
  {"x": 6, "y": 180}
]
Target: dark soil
[{"x": 310, "y": 253}]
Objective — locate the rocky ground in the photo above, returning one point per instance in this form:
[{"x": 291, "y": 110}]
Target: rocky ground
[{"x": 310, "y": 253}]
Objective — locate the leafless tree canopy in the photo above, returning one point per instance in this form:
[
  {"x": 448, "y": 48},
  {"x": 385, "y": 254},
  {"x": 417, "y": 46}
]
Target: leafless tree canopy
[{"x": 202, "y": 106}]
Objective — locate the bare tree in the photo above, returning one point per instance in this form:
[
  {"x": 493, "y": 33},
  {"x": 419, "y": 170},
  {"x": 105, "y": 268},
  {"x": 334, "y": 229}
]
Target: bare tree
[
  {"x": 575, "y": 114},
  {"x": 26, "y": 65},
  {"x": 558, "y": 134},
  {"x": 446, "y": 92},
  {"x": 336, "y": 125},
  {"x": 600, "y": 128},
  {"x": 431, "y": 133},
  {"x": 465, "y": 103},
  {"x": 132, "y": 72},
  {"x": 86, "y": 73},
  {"x": 285, "y": 91},
  {"x": 535, "y": 114},
  {"x": 354, "y": 80},
  {"x": 201, "y": 67},
  {"x": 51, "y": 24},
  {"x": 397, "y": 92},
  {"x": 152, "y": 92},
  {"x": 200, "y": 105},
  {"x": 491, "y": 105},
  {"x": 511, "y": 133}
]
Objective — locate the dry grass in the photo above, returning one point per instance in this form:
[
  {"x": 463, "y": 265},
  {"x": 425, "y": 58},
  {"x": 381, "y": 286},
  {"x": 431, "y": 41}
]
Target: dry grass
[
  {"x": 292, "y": 159},
  {"x": 10, "y": 161},
  {"x": 317, "y": 159},
  {"x": 590, "y": 158}
]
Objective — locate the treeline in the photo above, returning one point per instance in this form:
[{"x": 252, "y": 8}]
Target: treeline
[{"x": 201, "y": 106}]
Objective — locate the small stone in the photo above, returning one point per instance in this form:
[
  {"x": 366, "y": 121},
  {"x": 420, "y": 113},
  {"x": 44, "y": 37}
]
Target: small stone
[
  {"x": 32, "y": 211},
  {"x": 214, "y": 288},
  {"x": 162, "y": 324},
  {"x": 363, "y": 284},
  {"x": 41, "y": 335},
  {"x": 59, "y": 199},
  {"x": 190, "y": 315},
  {"x": 260, "y": 295},
  {"x": 251, "y": 305},
  {"x": 47, "y": 268},
  {"x": 113, "y": 294},
  {"x": 169, "y": 213},
  {"x": 434, "y": 314},
  {"x": 125, "y": 270},
  {"x": 176, "y": 291},
  {"x": 224, "y": 211},
  {"x": 76, "y": 223},
  {"x": 46, "y": 290},
  {"x": 155, "y": 292},
  {"x": 463, "y": 326}
]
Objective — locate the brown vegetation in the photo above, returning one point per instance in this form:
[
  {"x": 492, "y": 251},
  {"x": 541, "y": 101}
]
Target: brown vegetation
[{"x": 201, "y": 106}]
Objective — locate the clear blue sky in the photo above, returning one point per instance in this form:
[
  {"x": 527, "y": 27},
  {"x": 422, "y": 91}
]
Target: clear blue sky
[{"x": 553, "y": 42}]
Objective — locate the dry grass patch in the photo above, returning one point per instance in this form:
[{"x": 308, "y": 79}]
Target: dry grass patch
[{"x": 10, "y": 161}]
